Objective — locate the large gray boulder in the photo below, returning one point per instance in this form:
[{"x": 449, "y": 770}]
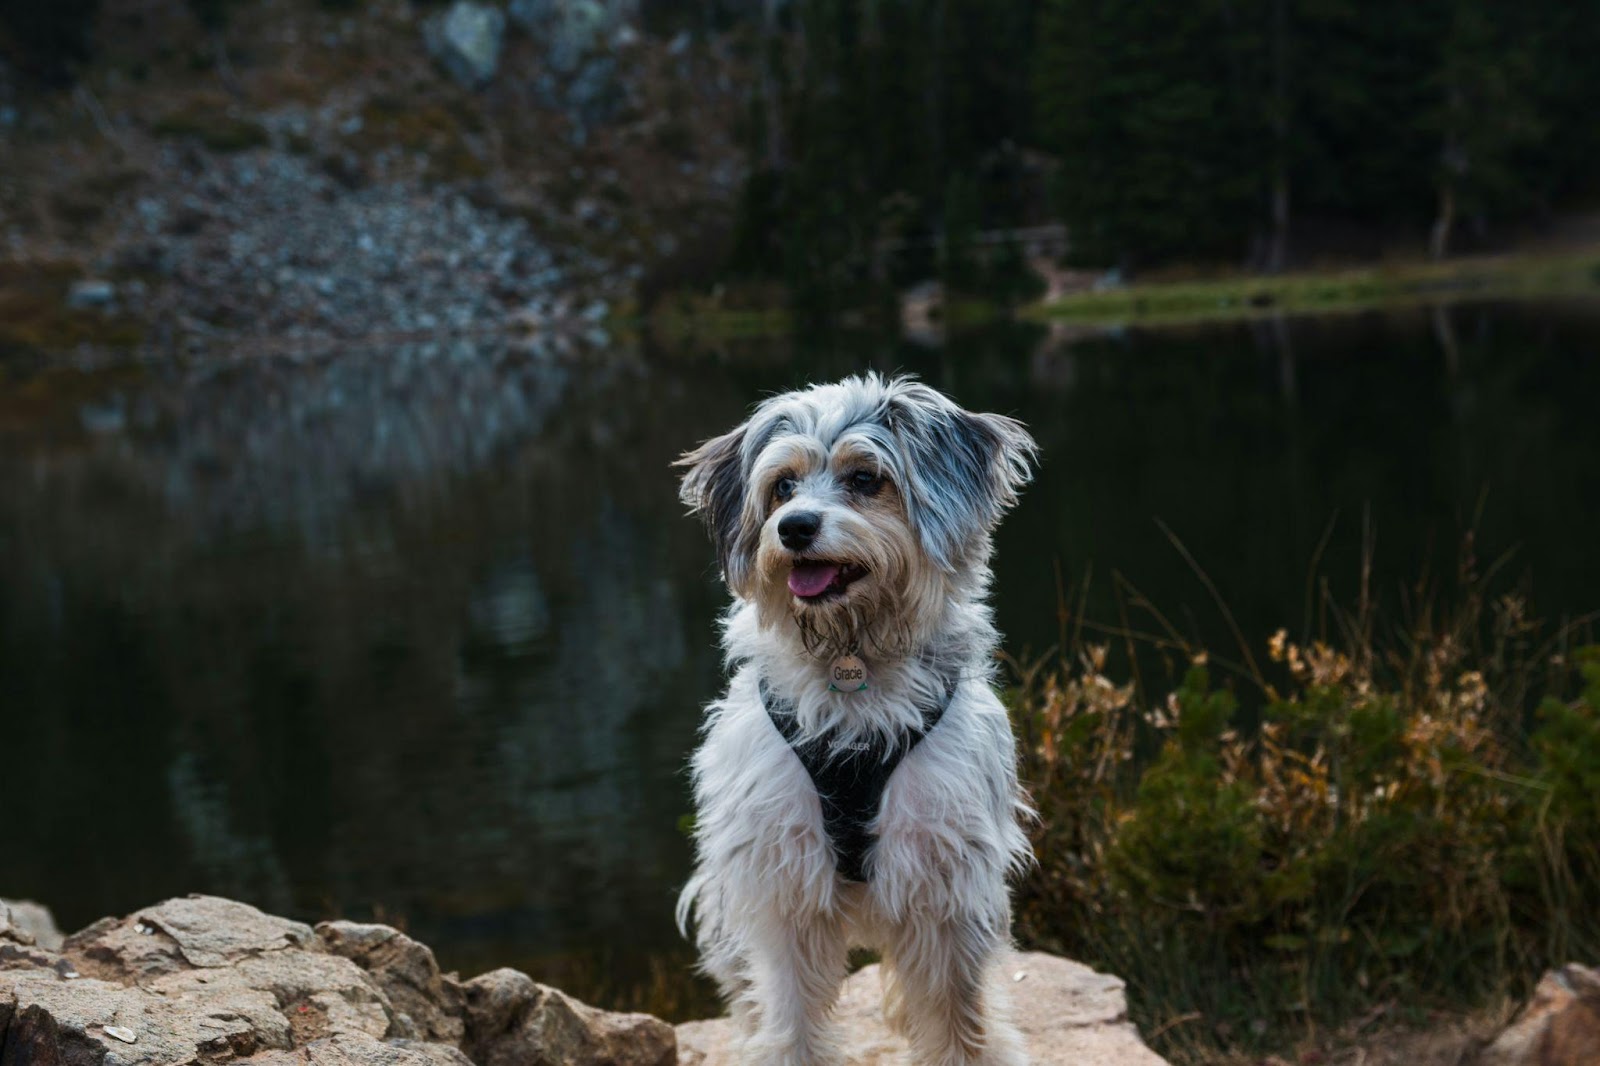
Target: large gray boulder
[
  {"x": 1069, "y": 1016},
  {"x": 465, "y": 39}
]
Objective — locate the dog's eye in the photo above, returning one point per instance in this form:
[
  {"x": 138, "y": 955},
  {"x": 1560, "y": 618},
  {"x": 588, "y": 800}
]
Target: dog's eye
[
  {"x": 784, "y": 488},
  {"x": 865, "y": 482}
]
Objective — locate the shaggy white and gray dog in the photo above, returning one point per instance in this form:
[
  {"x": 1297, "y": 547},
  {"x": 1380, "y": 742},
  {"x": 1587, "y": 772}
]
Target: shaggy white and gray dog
[{"x": 853, "y": 523}]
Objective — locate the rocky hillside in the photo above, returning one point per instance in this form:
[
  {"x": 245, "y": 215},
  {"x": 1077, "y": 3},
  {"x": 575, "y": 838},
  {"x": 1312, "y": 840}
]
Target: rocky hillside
[{"x": 306, "y": 172}]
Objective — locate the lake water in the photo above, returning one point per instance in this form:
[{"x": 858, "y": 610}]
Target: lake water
[{"x": 420, "y": 632}]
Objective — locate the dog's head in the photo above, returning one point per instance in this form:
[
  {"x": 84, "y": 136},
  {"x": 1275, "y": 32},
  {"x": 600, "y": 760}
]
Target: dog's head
[{"x": 858, "y": 507}]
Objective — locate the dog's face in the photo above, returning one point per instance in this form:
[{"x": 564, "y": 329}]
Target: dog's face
[{"x": 855, "y": 508}]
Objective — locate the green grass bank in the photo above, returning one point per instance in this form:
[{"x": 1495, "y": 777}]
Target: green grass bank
[{"x": 1344, "y": 290}]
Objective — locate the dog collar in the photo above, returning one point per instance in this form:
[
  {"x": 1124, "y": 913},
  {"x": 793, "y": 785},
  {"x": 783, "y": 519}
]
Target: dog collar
[{"x": 850, "y": 779}]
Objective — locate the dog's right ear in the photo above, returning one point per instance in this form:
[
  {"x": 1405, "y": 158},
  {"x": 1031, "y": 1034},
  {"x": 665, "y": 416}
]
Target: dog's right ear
[{"x": 714, "y": 489}]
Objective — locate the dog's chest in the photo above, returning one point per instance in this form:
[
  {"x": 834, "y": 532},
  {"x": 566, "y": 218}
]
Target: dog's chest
[{"x": 849, "y": 778}]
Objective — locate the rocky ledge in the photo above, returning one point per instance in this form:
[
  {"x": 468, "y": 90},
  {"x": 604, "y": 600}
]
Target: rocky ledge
[
  {"x": 208, "y": 980},
  {"x": 203, "y": 980},
  {"x": 1069, "y": 1015}
]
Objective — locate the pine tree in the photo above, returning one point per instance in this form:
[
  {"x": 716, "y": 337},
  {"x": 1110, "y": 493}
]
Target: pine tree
[
  {"x": 1199, "y": 131},
  {"x": 1147, "y": 106},
  {"x": 1481, "y": 118},
  {"x": 1561, "y": 41}
]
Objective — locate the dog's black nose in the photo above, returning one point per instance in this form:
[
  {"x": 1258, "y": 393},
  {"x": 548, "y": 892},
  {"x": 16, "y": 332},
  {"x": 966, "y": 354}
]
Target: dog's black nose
[{"x": 799, "y": 529}]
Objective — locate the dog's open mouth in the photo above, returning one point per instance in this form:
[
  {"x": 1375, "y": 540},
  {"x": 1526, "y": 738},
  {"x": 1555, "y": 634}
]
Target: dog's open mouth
[{"x": 815, "y": 580}]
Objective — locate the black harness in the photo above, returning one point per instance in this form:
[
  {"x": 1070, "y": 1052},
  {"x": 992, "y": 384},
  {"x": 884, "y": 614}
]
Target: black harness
[{"x": 850, "y": 779}]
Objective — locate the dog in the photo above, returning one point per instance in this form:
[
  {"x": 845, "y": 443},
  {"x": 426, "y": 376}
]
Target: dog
[{"x": 857, "y": 783}]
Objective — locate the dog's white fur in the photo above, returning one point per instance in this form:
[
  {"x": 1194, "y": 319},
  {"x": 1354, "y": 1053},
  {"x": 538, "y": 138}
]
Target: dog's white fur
[{"x": 773, "y": 920}]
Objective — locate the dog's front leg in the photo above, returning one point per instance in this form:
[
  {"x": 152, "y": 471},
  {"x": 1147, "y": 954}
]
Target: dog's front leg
[
  {"x": 797, "y": 967},
  {"x": 942, "y": 995}
]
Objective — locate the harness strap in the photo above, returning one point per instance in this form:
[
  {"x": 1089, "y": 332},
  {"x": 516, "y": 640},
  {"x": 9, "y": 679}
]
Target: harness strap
[{"x": 850, "y": 779}]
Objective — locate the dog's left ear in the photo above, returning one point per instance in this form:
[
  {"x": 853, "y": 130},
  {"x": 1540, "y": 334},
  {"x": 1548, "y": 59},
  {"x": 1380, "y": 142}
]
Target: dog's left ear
[
  {"x": 965, "y": 469},
  {"x": 714, "y": 489}
]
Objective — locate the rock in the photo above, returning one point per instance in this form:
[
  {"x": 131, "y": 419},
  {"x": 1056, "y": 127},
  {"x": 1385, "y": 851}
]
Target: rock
[
  {"x": 513, "y": 1021},
  {"x": 570, "y": 29},
  {"x": 1560, "y": 1026},
  {"x": 343, "y": 1051},
  {"x": 577, "y": 38},
  {"x": 322, "y": 994},
  {"x": 60, "y": 1021},
  {"x": 581, "y": 27},
  {"x": 91, "y": 295},
  {"x": 203, "y": 979},
  {"x": 1069, "y": 1016},
  {"x": 407, "y": 972},
  {"x": 29, "y": 923},
  {"x": 25, "y": 928},
  {"x": 466, "y": 40},
  {"x": 340, "y": 252},
  {"x": 180, "y": 934}
]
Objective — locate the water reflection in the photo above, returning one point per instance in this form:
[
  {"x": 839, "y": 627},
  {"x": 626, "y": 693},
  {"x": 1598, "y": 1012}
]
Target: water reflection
[
  {"x": 421, "y": 631},
  {"x": 401, "y": 630}
]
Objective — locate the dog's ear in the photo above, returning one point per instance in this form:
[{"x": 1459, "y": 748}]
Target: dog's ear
[
  {"x": 714, "y": 488},
  {"x": 964, "y": 472}
]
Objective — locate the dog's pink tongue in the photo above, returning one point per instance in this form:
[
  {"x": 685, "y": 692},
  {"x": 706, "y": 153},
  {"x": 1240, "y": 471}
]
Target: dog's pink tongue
[{"x": 812, "y": 579}]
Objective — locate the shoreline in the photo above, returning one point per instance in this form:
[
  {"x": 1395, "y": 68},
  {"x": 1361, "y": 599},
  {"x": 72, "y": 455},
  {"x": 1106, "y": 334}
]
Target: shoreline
[
  {"x": 1345, "y": 290},
  {"x": 1201, "y": 300}
]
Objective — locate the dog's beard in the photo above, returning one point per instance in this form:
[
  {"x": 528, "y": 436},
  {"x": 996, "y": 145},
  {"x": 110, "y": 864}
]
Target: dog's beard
[{"x": 864, "y": 624}]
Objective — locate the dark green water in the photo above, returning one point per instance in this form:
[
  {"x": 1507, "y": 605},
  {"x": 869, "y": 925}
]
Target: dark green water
[{"x": 422, "y": 633}]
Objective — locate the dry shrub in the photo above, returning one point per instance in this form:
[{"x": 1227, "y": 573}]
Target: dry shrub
[{"x": 1389, "y": 827}]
